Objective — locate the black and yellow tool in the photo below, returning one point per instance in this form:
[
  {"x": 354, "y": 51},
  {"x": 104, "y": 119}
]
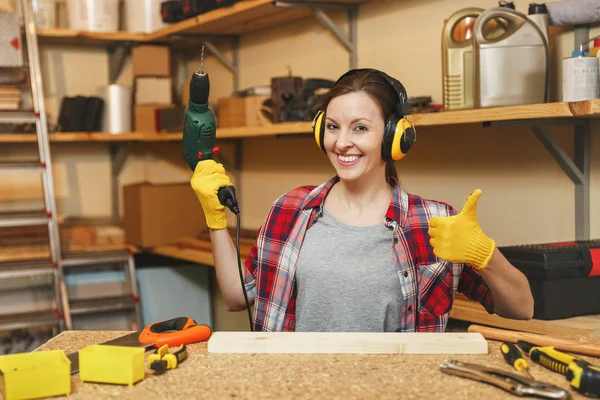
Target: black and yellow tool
[
  {"x": 514, "y": 358},
  {"x": 583, "y": 376},
  {"x": 162, "y": 360}
]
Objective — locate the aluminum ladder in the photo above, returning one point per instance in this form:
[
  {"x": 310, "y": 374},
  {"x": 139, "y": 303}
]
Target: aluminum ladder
[{"x": 62, "y": 308}]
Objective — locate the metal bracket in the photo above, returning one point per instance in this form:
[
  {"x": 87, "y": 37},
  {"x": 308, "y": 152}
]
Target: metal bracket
[
  {"x": 348, "y": 41},
  {"x": 118, "y": 156},
  {"x": 233, "y": 65},
  {"x": 577, "y": 169},
  {"x": 116, "y": 59}
]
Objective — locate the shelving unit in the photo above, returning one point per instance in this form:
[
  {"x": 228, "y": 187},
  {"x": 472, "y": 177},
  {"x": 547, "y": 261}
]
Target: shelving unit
[
  {"x": 535, "y": 116},
  {"x": 558, "y": 113},
  {"x": 254, "y": 15},
  {"x": 249, "y": 16}
]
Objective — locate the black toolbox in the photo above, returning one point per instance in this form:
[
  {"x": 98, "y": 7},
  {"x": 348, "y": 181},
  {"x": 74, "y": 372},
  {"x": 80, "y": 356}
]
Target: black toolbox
[{"x": 564, "y": 277}]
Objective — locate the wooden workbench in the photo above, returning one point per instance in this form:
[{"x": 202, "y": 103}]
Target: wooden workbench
[{"x": 268, "y": 376}]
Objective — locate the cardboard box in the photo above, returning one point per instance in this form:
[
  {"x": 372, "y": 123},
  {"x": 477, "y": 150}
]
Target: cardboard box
[
  {"x": 240, "y": 111},
  {"x": 146, "y": 117},
  {"x": 151, "y": 60},
  {"x": 7, "y": 6},
  {"x": 157, "y": 214},
  {"x": 153, "y": 90}
]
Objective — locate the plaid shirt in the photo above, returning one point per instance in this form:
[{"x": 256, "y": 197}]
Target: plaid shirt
[{"x": 428, "y": 283}]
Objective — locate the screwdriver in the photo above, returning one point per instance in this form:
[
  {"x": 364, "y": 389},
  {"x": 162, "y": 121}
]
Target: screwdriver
[
  {"x": 514, "y": 358},
  {"x": 583, "y": 376}
]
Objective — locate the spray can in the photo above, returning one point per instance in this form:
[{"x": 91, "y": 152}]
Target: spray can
[{"x": 580, "y": 77}]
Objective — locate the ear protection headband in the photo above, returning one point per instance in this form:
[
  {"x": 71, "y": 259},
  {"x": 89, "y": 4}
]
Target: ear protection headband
[{"x": 399, "y": 133}]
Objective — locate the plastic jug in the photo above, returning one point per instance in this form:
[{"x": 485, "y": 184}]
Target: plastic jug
[
  {"x": 512, "y": 59},
  {"x": 458, "y": 79}
]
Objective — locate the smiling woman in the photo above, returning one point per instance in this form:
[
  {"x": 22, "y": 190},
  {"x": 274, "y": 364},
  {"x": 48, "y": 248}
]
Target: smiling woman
[{"x": 359, "y": 253}]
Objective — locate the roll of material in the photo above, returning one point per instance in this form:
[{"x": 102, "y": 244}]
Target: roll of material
[
  {"x": 574, "y": 12},
  {"x": 117, "y": 109},
  {"x": 580, "y": 78}
]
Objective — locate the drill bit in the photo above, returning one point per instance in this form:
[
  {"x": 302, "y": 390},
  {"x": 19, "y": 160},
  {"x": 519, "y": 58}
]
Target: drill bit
[{"x": 201, "y": 71}]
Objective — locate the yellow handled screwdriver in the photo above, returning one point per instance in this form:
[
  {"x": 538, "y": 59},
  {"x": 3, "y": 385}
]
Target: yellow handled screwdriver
[
  {"x": 514, "y": 358},
  {"x": 583, "y": 376}
]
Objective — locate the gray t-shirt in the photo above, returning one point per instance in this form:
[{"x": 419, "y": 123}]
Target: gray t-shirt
[{"x": 346, "y": 279}]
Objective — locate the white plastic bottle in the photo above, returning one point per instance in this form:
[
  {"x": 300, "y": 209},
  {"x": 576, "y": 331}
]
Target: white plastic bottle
[{"x": 538, "y": 13}]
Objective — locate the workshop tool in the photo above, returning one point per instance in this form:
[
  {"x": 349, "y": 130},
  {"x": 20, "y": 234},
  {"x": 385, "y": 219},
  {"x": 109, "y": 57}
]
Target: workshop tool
[
  {"x": 162, "y": 360},
  {"x": 199, "y": 134},
  {"x": 505, "y": 335},
  {"x": 583, "y": 376},
  {"x": 171, "y": 332},
  {"x": 199, "y": 131},
  {"x": 512, "y": 383},
  {"x": 514, "y": 358}
]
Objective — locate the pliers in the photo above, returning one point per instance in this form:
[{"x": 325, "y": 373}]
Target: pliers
[
  {"x": 512, "y": 383},
  {"x": 161, "y": 360}
]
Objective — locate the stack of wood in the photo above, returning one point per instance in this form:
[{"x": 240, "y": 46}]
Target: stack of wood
[
  {"x": 76, "y": 235},
  {"x": 10, "y": 97},
  {"x": 199, "y": 249}
]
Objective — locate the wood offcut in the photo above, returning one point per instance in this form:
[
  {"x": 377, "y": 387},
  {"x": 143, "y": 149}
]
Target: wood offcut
[{"x": 347, "y": 343}]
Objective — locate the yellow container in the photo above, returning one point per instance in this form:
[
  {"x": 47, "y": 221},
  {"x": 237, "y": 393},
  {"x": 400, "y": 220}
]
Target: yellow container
[
  {"x": 36, "y": 375},
  {"x": 121, "y": 365}
]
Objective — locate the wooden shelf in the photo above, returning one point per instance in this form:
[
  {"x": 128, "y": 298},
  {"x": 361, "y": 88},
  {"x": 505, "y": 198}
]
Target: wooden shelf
[
  {"x": 68, "y": 137},
  {"x": 82, "y": 38},
  {"x": 243, "y": 17},
  {"x": 197, "y": 250},
  {"x": 581, "y": 109},
  {"x": 587, "y": 108}
]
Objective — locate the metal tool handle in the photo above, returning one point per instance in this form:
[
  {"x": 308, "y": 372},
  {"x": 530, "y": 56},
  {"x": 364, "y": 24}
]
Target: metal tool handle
[{"x": 510, "y": 382}]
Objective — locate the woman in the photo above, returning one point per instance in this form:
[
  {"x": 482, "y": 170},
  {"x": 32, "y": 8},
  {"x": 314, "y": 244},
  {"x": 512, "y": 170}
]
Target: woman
[{"x": 358, "y": 253}]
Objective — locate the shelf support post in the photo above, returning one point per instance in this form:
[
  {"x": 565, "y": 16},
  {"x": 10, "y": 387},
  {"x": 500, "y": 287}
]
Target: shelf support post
[
  {"x": 232, "y": 66},
  {"x": 348, "y": 41},
  {"x": 116, "y": 59},
  {"x": 578, "y": 170},
  {"x": 118, "y": 156},
  {"x": 582, "y": 190}
]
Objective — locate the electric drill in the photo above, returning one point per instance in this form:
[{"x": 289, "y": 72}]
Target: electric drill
[{"x": 199, "y": 129}]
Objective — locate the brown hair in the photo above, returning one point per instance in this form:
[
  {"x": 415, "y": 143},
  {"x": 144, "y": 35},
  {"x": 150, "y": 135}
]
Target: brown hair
[{"x": 380, "y": 91}]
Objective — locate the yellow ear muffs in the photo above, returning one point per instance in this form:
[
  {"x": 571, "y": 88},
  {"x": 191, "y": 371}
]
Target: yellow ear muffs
[
  {"x": 404, "y": 138},
  {"x": 318, "y": 126}
]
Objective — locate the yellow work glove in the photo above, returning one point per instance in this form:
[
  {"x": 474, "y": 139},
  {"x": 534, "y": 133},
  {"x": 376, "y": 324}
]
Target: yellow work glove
[
  {"x": 459, "y": 238},
  {"x": 208, "y": 178}
]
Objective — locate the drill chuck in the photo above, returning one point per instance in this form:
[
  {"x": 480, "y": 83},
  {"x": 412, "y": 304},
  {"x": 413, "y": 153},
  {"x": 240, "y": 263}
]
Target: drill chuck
[{"x": 199, "y": 88}]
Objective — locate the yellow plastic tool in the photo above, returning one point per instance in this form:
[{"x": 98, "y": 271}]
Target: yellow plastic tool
[
  {"x": 122, "y": 365},
  {"x": 162, "y": 360},
  {"x": 35, "y": 375}
]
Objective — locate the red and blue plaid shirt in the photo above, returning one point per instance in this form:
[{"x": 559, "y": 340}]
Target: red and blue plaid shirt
[{"x": 428, "y": 283}]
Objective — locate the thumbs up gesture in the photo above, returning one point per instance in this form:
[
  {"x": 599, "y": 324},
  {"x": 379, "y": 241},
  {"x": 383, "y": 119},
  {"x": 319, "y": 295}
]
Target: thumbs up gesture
[{"x": 459, "y": 238}]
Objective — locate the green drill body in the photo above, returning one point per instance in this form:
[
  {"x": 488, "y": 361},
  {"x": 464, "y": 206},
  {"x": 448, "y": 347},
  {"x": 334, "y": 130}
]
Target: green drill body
[
  {"x": 199, "y": 133},
  {"x": 199, "y": 124}
]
